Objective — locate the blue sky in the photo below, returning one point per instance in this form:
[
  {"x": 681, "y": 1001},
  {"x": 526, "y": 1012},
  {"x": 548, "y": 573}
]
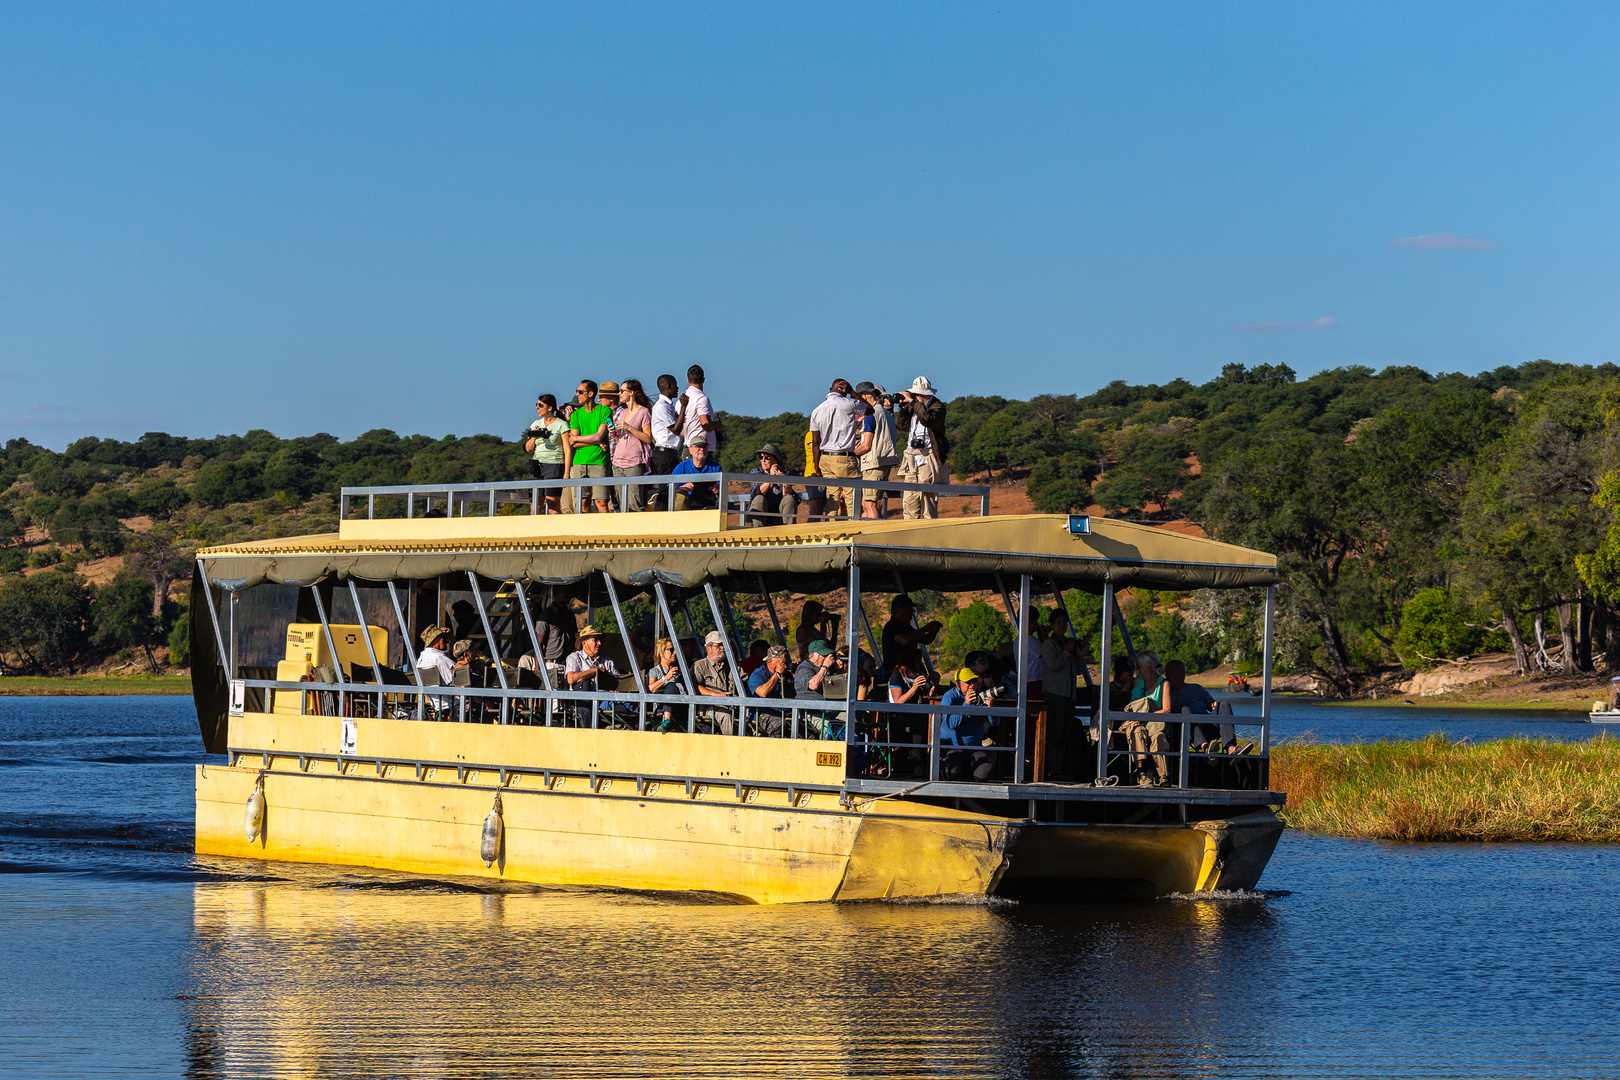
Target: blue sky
[{"x": 340, "y": 217}]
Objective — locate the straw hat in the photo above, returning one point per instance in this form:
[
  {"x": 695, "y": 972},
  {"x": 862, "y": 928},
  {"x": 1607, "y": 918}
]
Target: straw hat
[
  {"x": 433, "y": 633},
  {"x": 590, "y": 631}
]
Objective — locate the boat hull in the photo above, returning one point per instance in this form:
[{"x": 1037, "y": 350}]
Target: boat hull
[{"x": 792, "y": 838}]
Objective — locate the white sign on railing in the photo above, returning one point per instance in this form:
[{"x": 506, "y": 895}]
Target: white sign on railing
[
  {"x": 351, "y": 735},
  {"x": 238, "y": 698}
]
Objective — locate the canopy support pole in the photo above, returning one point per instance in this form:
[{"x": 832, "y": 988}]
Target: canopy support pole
[
  {"x": 405, "y": 634},
  {"x": 534, "y": 643},
  {"x": 680, "y": 655},
  {"x": 629, "y": 649},
  {"x": 1265, "y": 677},
  {"x": 852, "y": 637},
  {"x": 365, "y": 635},
  {"x": 489, "y": 638},
  {"x": 1023, "y": 675},
  {"x": 331, "y": 645},
  {"x": 770, "y": 605},
  {"x": 213, "y": 617},
  {"x": 1106, "y": 681}
]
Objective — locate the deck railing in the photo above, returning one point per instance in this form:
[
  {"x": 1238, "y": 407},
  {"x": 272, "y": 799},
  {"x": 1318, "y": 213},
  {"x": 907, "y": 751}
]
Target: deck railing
[{"x": 489, "y": 499}]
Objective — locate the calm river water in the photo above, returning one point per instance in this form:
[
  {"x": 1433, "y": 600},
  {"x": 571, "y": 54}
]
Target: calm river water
[{"x": 123, "y": 953}]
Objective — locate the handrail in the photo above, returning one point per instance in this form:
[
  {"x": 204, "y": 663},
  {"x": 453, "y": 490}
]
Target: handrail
[{"x": 520, "y": 492}]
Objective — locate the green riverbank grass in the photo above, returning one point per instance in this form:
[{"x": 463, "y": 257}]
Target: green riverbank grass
[
  {"x": 93, "y": 685},
  {"x": 1436, "y": 789}
]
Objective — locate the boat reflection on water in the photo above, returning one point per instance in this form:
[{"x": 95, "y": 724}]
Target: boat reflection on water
[{"x": 378, "y": 975}]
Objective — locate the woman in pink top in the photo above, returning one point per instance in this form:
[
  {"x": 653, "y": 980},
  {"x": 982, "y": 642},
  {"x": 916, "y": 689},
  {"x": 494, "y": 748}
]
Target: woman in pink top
[{"x": 632, "y": 442}]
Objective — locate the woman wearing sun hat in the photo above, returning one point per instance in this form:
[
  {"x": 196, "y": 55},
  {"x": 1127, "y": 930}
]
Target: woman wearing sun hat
[{"x": 921, "y": 419}]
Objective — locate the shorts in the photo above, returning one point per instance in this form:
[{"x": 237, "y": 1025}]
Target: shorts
[
  {"x": 882, "y": 472},
  {"x": 840, "y": 466},
  {"x": 595, "y": 469},
  {"x": 546, "y": 470}
]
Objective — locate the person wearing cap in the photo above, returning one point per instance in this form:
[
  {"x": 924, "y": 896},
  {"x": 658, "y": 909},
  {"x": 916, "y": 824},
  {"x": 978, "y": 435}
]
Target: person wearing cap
[
  {"x": 835, "y": 431},
  {"x": 665, "y": 450},
  {"x": 632, "y": 437},
  {"x": 877, "y": 448},
  {"x": 922, "y": 420},
  {"x": 588, "y": 440},
  {"x": 585, "y": 668},
  {"x": 714, "y": 679},
  {"x": 769, "y": 504},
  {"x": 691, "y": 496},
  {"x": 435, "y": 640},
  {"x": 964, "y": 730},
  {"x": 771, "y": 680},
  {"x": 811, "y": 674}
]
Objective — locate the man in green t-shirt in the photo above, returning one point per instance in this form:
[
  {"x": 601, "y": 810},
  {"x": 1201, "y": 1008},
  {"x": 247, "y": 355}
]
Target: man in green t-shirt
[{"x": 588, "y": 435}]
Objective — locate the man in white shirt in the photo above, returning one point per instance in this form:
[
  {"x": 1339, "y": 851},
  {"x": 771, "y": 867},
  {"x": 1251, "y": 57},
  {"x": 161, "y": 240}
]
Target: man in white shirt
[
  {"x": 436, "y": 640},
  {"x": 835, "y": 431},
  {"x": 697, "y": 413},
  {"x": 665, "y": 451}
]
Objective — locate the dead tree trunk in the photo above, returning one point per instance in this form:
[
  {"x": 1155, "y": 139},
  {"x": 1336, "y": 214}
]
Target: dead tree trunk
[
  {"x": 1543, "y": 661},
  {"x": 1521, "y": 655},
  {"x": 1583, "y": 623}
]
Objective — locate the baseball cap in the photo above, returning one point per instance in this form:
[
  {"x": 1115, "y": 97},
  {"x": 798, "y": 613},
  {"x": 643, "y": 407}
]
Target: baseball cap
[
  {"x": 866, "y": 388},
  {"x": 714, "y": 638},
  {"x": 820, "y": 648},
  {"x": 966, "y": 674},
  {"x": 698, "y": 440}
]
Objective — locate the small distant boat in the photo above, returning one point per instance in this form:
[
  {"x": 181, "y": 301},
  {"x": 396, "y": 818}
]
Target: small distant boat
[{"x": 1602, "y": 713}]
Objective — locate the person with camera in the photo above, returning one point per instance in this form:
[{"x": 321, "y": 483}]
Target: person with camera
[
  {"x": 769, "y": 503},
  {"x": 877, "y": 448},
  {"x": 714, "y": 678},
  {"x": 547, "y": 440},
  {"x": 772, "y": 680},
  {"x": 589, "y": 671},
  {"x": 921, "y": 416},
  {"x": 835, "y": 431},
  {"x": 965, "y": 731}
]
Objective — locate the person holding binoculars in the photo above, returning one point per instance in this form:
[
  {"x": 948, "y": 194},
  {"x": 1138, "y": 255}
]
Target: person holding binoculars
[{"x": 546, "y": 439}]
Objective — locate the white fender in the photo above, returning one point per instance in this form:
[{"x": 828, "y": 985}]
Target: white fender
[
  {"x": 489, "y": 846},
  {"x": 255, "y": 811}
]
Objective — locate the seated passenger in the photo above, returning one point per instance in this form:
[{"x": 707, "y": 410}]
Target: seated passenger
[
  {"x": 435, "y": 639},
  {"x": 588, "y": 670},
  {"x": 811, "y": 674},
  {"x": 899, "y": 631},
  {"x": 770, "y": 504},
  {"x": 756, "y": 657},
  {"x": 1149, "y": 736},
  {"x": 771, "y": 680},
  {"x": 697, "y": 496},
  {"x": 1185, "y": 697},
  {"x": 963, "y": 730},
  {"x": 665, "y": 678},
  {"x": 713, "y": 678}
]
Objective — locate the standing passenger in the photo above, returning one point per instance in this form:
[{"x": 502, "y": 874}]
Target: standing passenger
[
  {"x": 815, "y": 498},
  {"x": 697, "y": 412},
  {"x": 922, "y": 418},
  {"x": 632, "y": 423},
  {"x": 549, "y": 445},
  {"x": 879, "y": 456},
  {"x": 835, "y": 431},
  {"x": 1060, "y": 657},
  {"x": 666, "y": 440},
  {"x": 589, "y": 441}
]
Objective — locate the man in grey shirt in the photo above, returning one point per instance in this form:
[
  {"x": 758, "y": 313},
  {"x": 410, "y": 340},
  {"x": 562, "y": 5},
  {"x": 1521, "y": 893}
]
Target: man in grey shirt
[{"x": 835, "y": 433}]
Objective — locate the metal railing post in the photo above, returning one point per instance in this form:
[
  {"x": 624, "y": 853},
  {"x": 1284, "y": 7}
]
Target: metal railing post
[
  {"x": 770, "y": 605},
  {"x": 1105, "y": 683},
  {"x": 213, "y": 617},
  {"x": 331, "y": 644},
  {"x": 408, "y": 656},
  {"x": 1265, "y": 677}
]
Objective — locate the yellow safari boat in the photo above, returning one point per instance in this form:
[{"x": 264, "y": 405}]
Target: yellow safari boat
[{"x": 342, "y": 743}]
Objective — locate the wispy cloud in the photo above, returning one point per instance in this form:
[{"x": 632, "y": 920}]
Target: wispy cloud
[
  {"x": 1326, "y": 322},
  {"x": 1444, "y": 241}
]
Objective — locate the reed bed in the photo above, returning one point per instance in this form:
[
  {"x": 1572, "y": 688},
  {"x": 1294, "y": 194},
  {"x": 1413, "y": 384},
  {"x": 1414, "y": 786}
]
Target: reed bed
[{"x": 1437, "y": 789}]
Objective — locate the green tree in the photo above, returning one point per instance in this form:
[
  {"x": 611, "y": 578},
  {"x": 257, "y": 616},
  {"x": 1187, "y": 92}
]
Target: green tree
[
  {"x": 45, "y": 619},
  {"x": 1122, "y": 491},
  {"x": 977, "y": 626},
  {"x": 221, "y": 483},
  {"x": 121, "y": 615}
]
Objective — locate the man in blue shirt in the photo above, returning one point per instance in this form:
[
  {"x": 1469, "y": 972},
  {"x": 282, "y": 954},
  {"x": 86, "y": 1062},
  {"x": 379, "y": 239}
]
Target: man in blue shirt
[
  {"x": 771, "y": 680},
  {"x": 697, "y": 496},
  {"x": 964, "y": 730},
  {"x": 1182, "y": 696}
]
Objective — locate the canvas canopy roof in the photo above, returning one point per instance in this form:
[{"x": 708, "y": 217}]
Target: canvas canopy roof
[{"x": 947, "y": 554}]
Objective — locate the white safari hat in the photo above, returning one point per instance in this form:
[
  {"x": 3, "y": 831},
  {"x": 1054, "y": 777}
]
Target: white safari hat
[{"x": 921, "y": 385}]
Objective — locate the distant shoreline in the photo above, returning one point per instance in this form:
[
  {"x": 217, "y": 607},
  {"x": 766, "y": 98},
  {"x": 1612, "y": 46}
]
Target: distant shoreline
[{"x": 93, "y": 685}]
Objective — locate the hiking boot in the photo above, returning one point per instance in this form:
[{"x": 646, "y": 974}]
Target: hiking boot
[
  {"x": 1164, "y": 781},
  {"x": 1143, "y": 778}
]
